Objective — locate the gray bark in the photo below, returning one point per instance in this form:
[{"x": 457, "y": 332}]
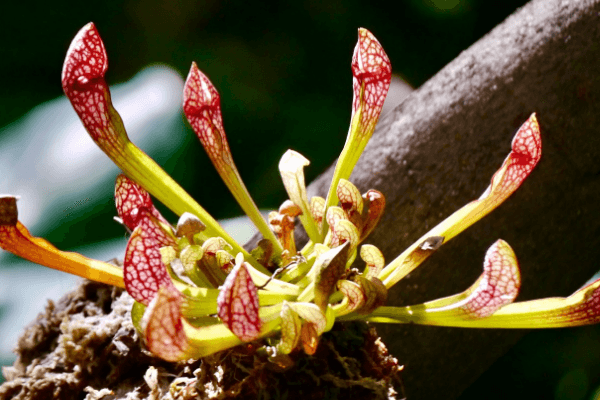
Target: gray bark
[{"x": 438, "y": 150}]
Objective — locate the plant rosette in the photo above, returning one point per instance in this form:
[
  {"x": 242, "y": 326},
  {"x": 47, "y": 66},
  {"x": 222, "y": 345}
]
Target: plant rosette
[{"x": 197, "y": 291}]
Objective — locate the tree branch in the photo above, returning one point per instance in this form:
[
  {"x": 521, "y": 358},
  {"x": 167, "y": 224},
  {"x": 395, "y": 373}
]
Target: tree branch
[{"x": 438, "y": 150}]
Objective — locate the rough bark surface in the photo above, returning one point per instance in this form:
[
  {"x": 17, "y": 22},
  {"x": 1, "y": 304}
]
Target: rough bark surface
[{"x": 438, "y": 150}]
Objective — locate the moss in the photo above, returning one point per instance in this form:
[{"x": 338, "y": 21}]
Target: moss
[{"x": 86, "y": 347}]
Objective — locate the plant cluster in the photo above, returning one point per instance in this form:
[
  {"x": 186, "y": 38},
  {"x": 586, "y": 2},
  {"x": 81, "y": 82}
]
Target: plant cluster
[{"x": 197, "y": 291}]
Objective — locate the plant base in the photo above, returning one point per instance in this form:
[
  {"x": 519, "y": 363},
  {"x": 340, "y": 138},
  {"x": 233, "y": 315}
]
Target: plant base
[{"x": 86, "y": 346}]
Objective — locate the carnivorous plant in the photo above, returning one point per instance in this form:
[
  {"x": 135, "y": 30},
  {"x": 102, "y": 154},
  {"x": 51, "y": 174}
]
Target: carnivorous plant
[{"x": 197, "y": 291}]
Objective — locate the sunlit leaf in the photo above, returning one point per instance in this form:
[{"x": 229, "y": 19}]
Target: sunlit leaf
[
  {"x": 311, "y": 313},
  {"x": 143, "y": 269},
  {"x": 224, "y": 261},
  {"x": 83, "y": 82},
  {"x": 321, "y": 262},
  {"x": 581, "y": 308},
  {"x": 329, "y": 273},
  {"x": 168, "y": 254},
  {"x": 344, "y": 231},
  {"x": 267, "y": 282},
  {"x": 335, "y": 214},
  {"x": 496, "y": 287},
  {"x": 202, "y": 107},
  {"x": 200, "y": 301},
  {"x": 212, "y": 245},
  {"x": 317, "y": 209},
  {"x": 329, "y": 317},
  {"x": 130, "y": 198},
  {"x": 189, "y": 257},
  {"x": 372, "y": 256},
  {"x": 238, "y": 304},
  {"x": 372, "y": 74},
  {"x": 84, "y": 85},
  {"x": 354, "y": 294},
  {"x": 499, "y": 284},
  {"x": 291, "y": 168},
  {"x": 290, "y": 209},
  {"x": 374, "y": 207},
  {"x": 375, "y": 293},
  {"x": 188, "y": 226},
  {"x": 137, "y": 315},
  {"x": 351, "y": 202},
  {"x": 263, "y": 252},
  {"x": 162, "y": 233},
  {"x": 210, "y": 264},
  {"x": 212, "y": 336},
  {"x": 310, "y": 338},
  {"x": 15, "y": 238},
  {"x": 164, "y": 331},
  {"x": 525, "y": 154},
  {"x": 290, "y": 330},
  {"x": 282, "y": 223},
  {"x": 349, "y": 196},
  {"x": 320, "y": 249}
]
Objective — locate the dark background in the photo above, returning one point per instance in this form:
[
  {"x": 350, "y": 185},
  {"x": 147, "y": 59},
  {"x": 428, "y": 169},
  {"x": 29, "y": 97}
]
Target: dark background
[{"x": 283, "y": 71}]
